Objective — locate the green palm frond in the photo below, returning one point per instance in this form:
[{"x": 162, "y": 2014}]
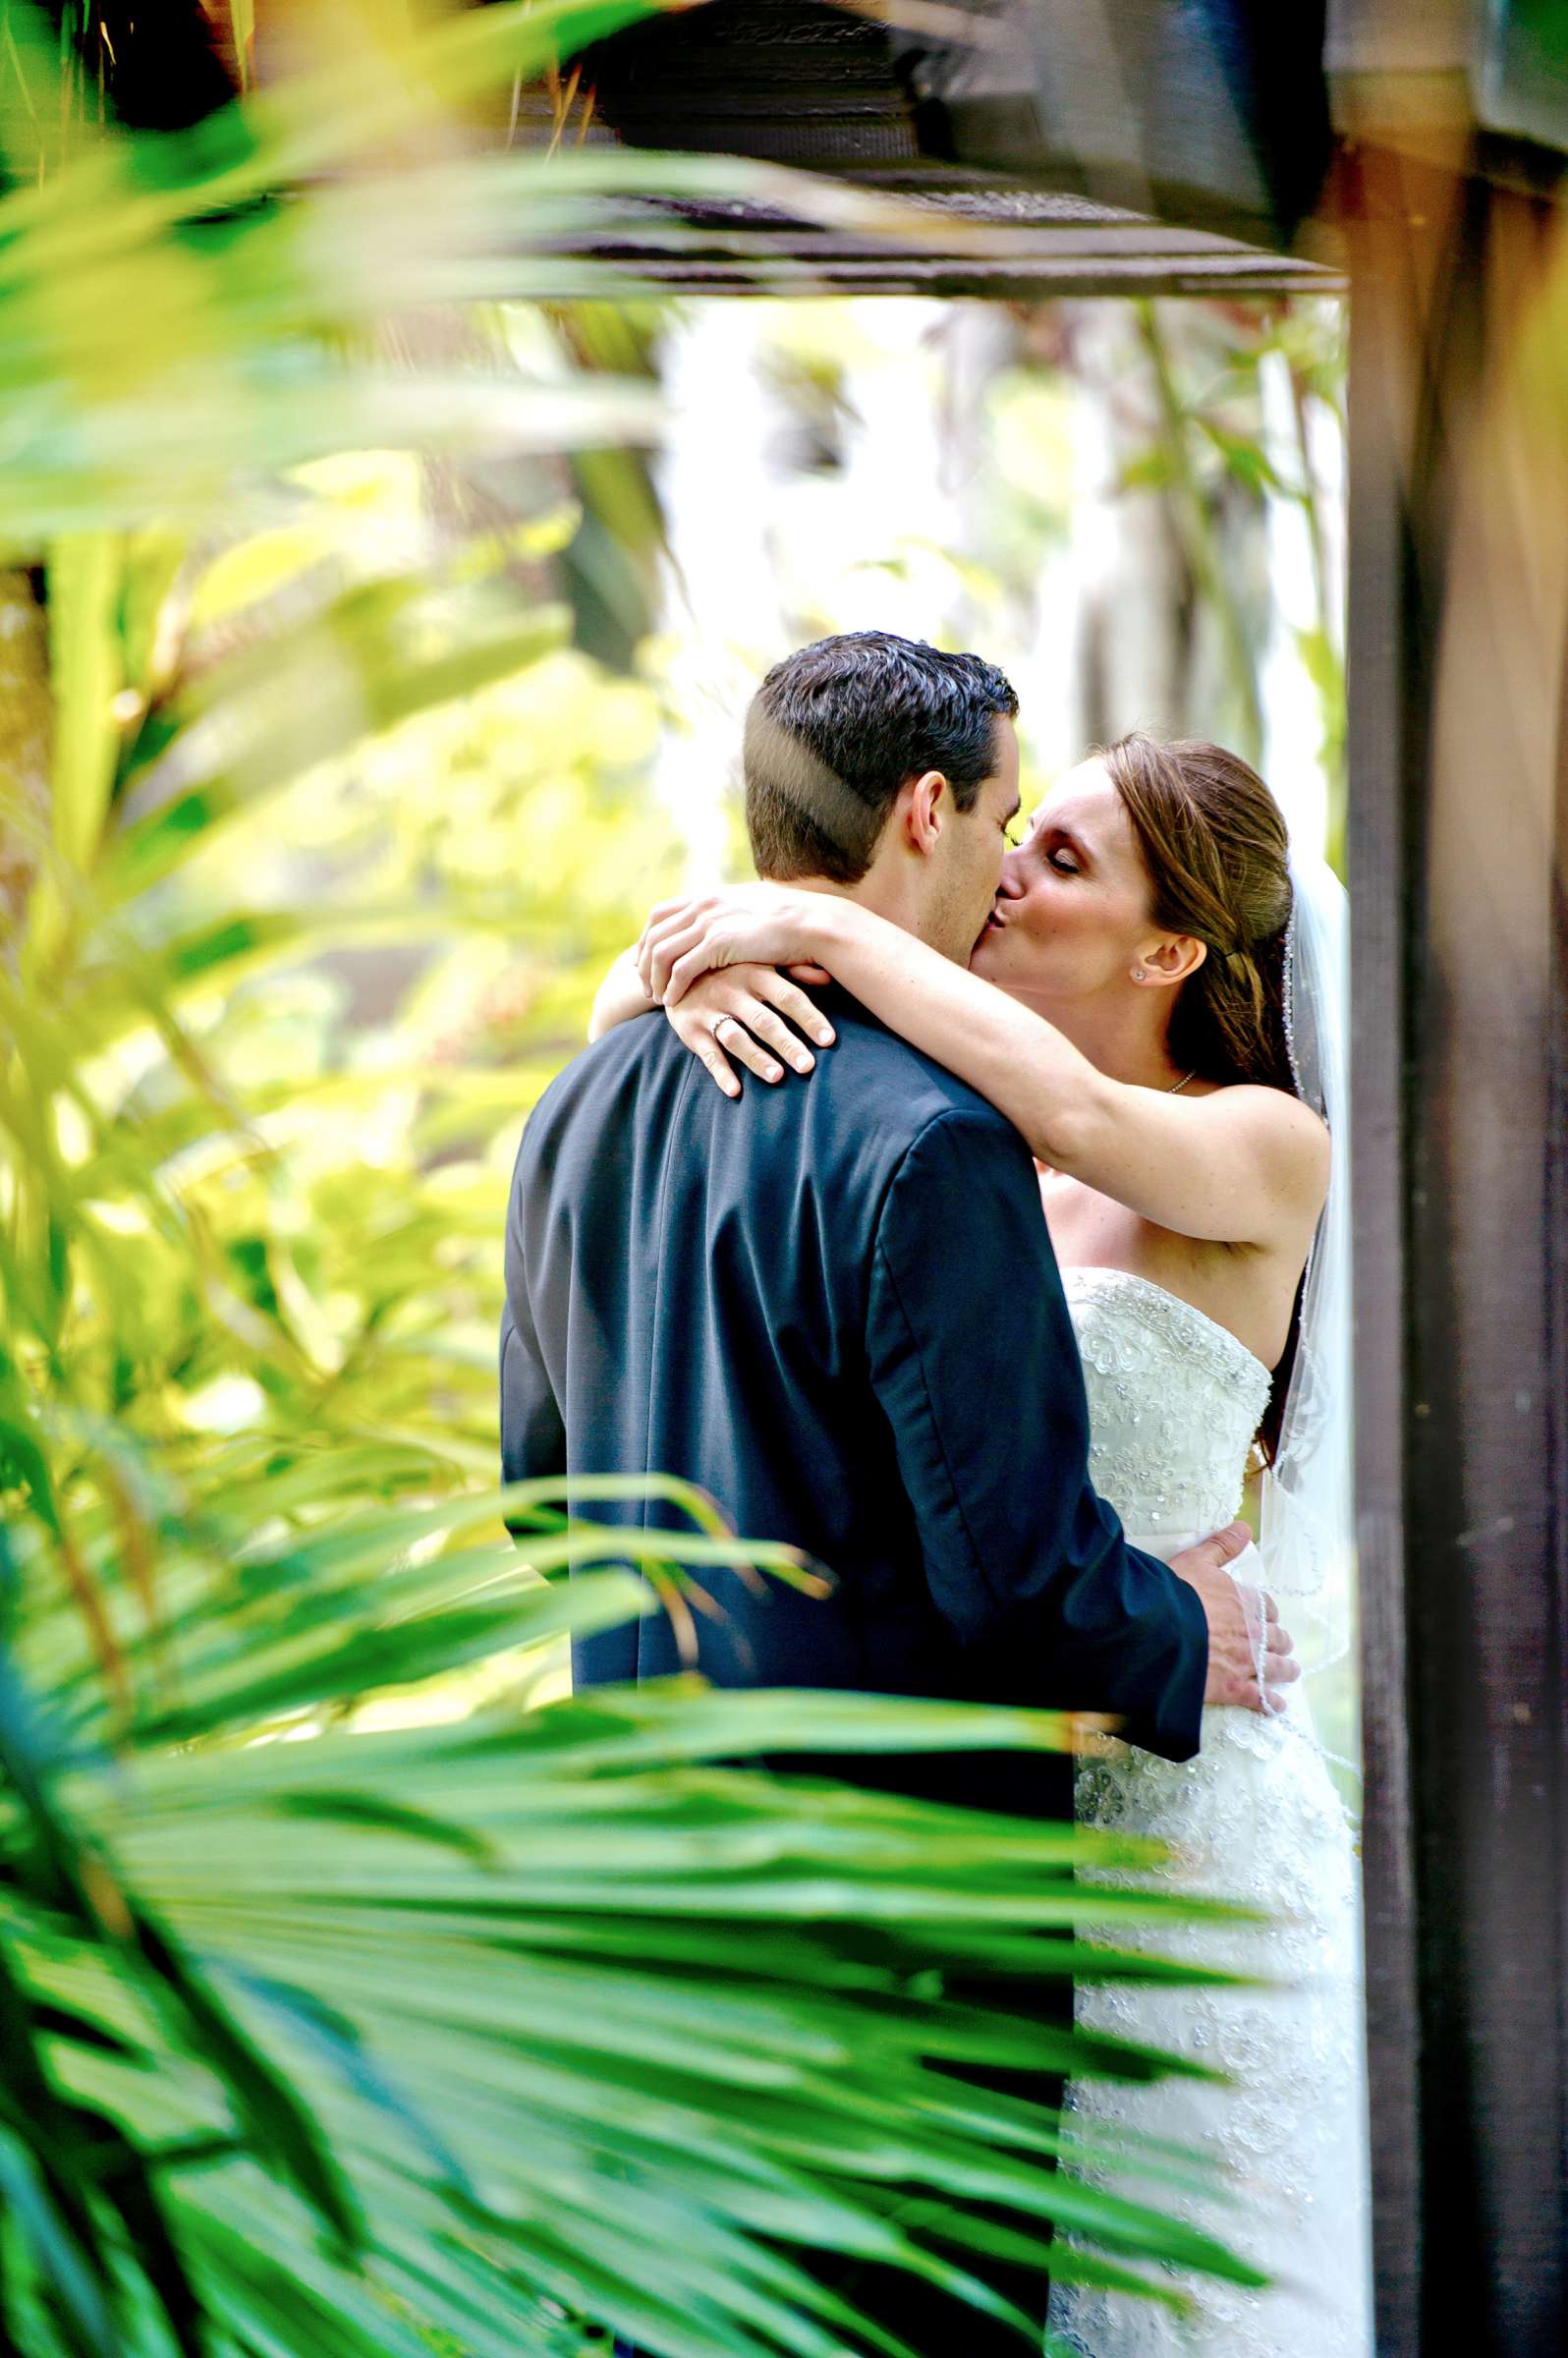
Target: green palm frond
[{"x": 542, "y": 2005}]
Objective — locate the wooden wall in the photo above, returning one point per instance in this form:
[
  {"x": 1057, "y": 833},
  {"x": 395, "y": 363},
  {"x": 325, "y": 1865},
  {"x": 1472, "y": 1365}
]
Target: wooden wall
[{"x": 1459, "y": 832}]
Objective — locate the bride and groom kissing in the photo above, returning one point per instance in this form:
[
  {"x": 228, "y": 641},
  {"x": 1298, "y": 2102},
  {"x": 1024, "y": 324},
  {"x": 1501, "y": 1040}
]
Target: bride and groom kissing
[{"x": 986, "y": 1311}]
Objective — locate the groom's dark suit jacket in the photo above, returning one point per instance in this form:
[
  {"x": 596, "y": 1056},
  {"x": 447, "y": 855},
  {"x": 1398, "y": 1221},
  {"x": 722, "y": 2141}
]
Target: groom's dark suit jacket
[{"x": 834, "y": 1304}]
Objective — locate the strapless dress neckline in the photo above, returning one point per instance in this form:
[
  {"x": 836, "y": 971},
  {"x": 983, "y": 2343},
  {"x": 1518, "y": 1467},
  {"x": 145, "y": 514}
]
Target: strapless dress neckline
[
  {"x": 1101, "y": 1272},
  {"x": 1174, "y": 1400}
]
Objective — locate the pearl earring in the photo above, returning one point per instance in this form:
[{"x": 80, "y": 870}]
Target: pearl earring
[{"x": 1138, "y": 974}]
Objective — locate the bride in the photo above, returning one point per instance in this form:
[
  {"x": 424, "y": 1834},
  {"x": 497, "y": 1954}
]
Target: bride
[{"x": 1153, "y": 1003}]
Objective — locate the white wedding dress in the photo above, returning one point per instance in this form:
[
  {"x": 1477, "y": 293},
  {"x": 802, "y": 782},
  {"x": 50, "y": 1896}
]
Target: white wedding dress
[{"x": 1174, "y": 1402}]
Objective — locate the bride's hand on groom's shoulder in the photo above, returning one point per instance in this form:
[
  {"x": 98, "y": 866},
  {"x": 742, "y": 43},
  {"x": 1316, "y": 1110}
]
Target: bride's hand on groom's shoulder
[
  {"x": 759, "y": 924},
  {"x": 747, "y": 1012},
  {"x": 1251, "y": 1657}
]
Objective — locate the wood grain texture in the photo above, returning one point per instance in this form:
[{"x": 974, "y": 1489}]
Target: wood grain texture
[
  {"x": 1104, "y": 176},
  {"x": 1459, "y": 563}
]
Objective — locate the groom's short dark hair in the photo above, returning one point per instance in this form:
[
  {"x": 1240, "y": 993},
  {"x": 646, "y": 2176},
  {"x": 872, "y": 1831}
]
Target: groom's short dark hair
[{"x": 835, "y": 730}]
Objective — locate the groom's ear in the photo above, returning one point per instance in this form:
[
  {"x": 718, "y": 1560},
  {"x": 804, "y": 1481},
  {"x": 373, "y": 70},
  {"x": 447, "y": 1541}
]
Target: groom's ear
[{"x": 920, "y": 812}]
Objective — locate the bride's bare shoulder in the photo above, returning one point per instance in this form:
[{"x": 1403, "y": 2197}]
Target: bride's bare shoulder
[{"x": 1291, "y": 1141}]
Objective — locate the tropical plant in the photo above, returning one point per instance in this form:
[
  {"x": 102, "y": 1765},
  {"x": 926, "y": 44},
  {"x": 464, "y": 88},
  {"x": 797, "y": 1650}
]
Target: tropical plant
[
  {"x": 358, "y": 2040},
  {"x": 342, "y": 2016}
]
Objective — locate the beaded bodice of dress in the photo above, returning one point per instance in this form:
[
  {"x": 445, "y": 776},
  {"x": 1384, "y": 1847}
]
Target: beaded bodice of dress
[{"x": 1174, "y": 1402}]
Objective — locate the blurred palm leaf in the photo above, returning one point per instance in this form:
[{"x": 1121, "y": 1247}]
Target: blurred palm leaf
[
  {"x": 182, "y": 306},
  {"x": 547, "y": 2005}
]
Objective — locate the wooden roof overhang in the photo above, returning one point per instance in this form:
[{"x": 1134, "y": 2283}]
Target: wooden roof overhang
[
  {"x": 1078, "y": 205},
  {"x": 1044, "y": 246}
]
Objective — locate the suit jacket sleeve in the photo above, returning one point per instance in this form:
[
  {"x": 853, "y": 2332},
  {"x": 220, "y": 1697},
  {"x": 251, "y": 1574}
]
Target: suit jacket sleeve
[
  {"x": 974, "y": 1360},
  {"x": 533, "y": 1436}
]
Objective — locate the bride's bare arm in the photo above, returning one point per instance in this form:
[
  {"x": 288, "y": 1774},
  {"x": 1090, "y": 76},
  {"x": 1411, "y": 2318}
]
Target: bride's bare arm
[
  {"x": 1241, "y": 1165},
  {"x": 619, "y": 998}
]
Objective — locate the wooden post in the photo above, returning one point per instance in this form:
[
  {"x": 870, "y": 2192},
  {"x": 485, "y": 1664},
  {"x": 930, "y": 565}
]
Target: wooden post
[{"x": 1458, "y": 828}]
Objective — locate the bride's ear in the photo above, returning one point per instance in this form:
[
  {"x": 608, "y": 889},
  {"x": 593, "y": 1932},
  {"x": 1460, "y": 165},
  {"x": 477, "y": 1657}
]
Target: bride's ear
[{"x": 1171, "y": 960}]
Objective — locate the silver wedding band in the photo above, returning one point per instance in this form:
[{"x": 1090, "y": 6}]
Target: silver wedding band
[{"x": 719, "y": 1025}]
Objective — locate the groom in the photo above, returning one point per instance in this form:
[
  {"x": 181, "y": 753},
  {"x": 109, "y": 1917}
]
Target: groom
[{"x": 835, "y": 1307}]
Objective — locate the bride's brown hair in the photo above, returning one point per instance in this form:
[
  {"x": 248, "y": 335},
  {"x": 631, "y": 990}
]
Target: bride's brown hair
[{"x": 1216, "y": 852}]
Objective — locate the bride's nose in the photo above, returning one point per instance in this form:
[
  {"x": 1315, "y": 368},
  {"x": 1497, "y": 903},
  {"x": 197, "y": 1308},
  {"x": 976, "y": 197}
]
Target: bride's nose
[{"x": 1009, "y": 884}]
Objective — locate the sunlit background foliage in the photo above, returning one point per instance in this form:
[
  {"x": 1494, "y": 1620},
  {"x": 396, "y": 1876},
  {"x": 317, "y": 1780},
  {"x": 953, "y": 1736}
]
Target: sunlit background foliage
[
  {"x": 353, "y": 2001},
  {"x": 1136, "y": 508}
]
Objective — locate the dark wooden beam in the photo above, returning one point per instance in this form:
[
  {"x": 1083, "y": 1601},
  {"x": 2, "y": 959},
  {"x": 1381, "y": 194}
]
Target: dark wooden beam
[
  {"x": 1152, "y": 176},
  {"x": 969, "y": 238},
  {"x": 1209, "y": 113},
  {"x": 1459, "y": 833}
]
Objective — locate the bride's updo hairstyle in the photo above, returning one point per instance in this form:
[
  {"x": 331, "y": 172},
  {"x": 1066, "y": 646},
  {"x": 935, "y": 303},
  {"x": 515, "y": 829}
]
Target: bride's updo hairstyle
[{"x": 1215, "y": 849}]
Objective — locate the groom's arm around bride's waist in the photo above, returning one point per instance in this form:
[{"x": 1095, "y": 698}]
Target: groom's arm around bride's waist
[{"x": 974, "y": 1359}]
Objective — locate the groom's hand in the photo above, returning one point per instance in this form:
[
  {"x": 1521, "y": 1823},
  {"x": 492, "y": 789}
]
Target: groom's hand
[{"x": 1251, "y": 1659}]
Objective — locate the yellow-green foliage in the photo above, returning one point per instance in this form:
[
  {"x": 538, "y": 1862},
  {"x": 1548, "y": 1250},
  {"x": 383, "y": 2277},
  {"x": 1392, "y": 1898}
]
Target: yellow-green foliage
[{"x": 280, "y": 1030}]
